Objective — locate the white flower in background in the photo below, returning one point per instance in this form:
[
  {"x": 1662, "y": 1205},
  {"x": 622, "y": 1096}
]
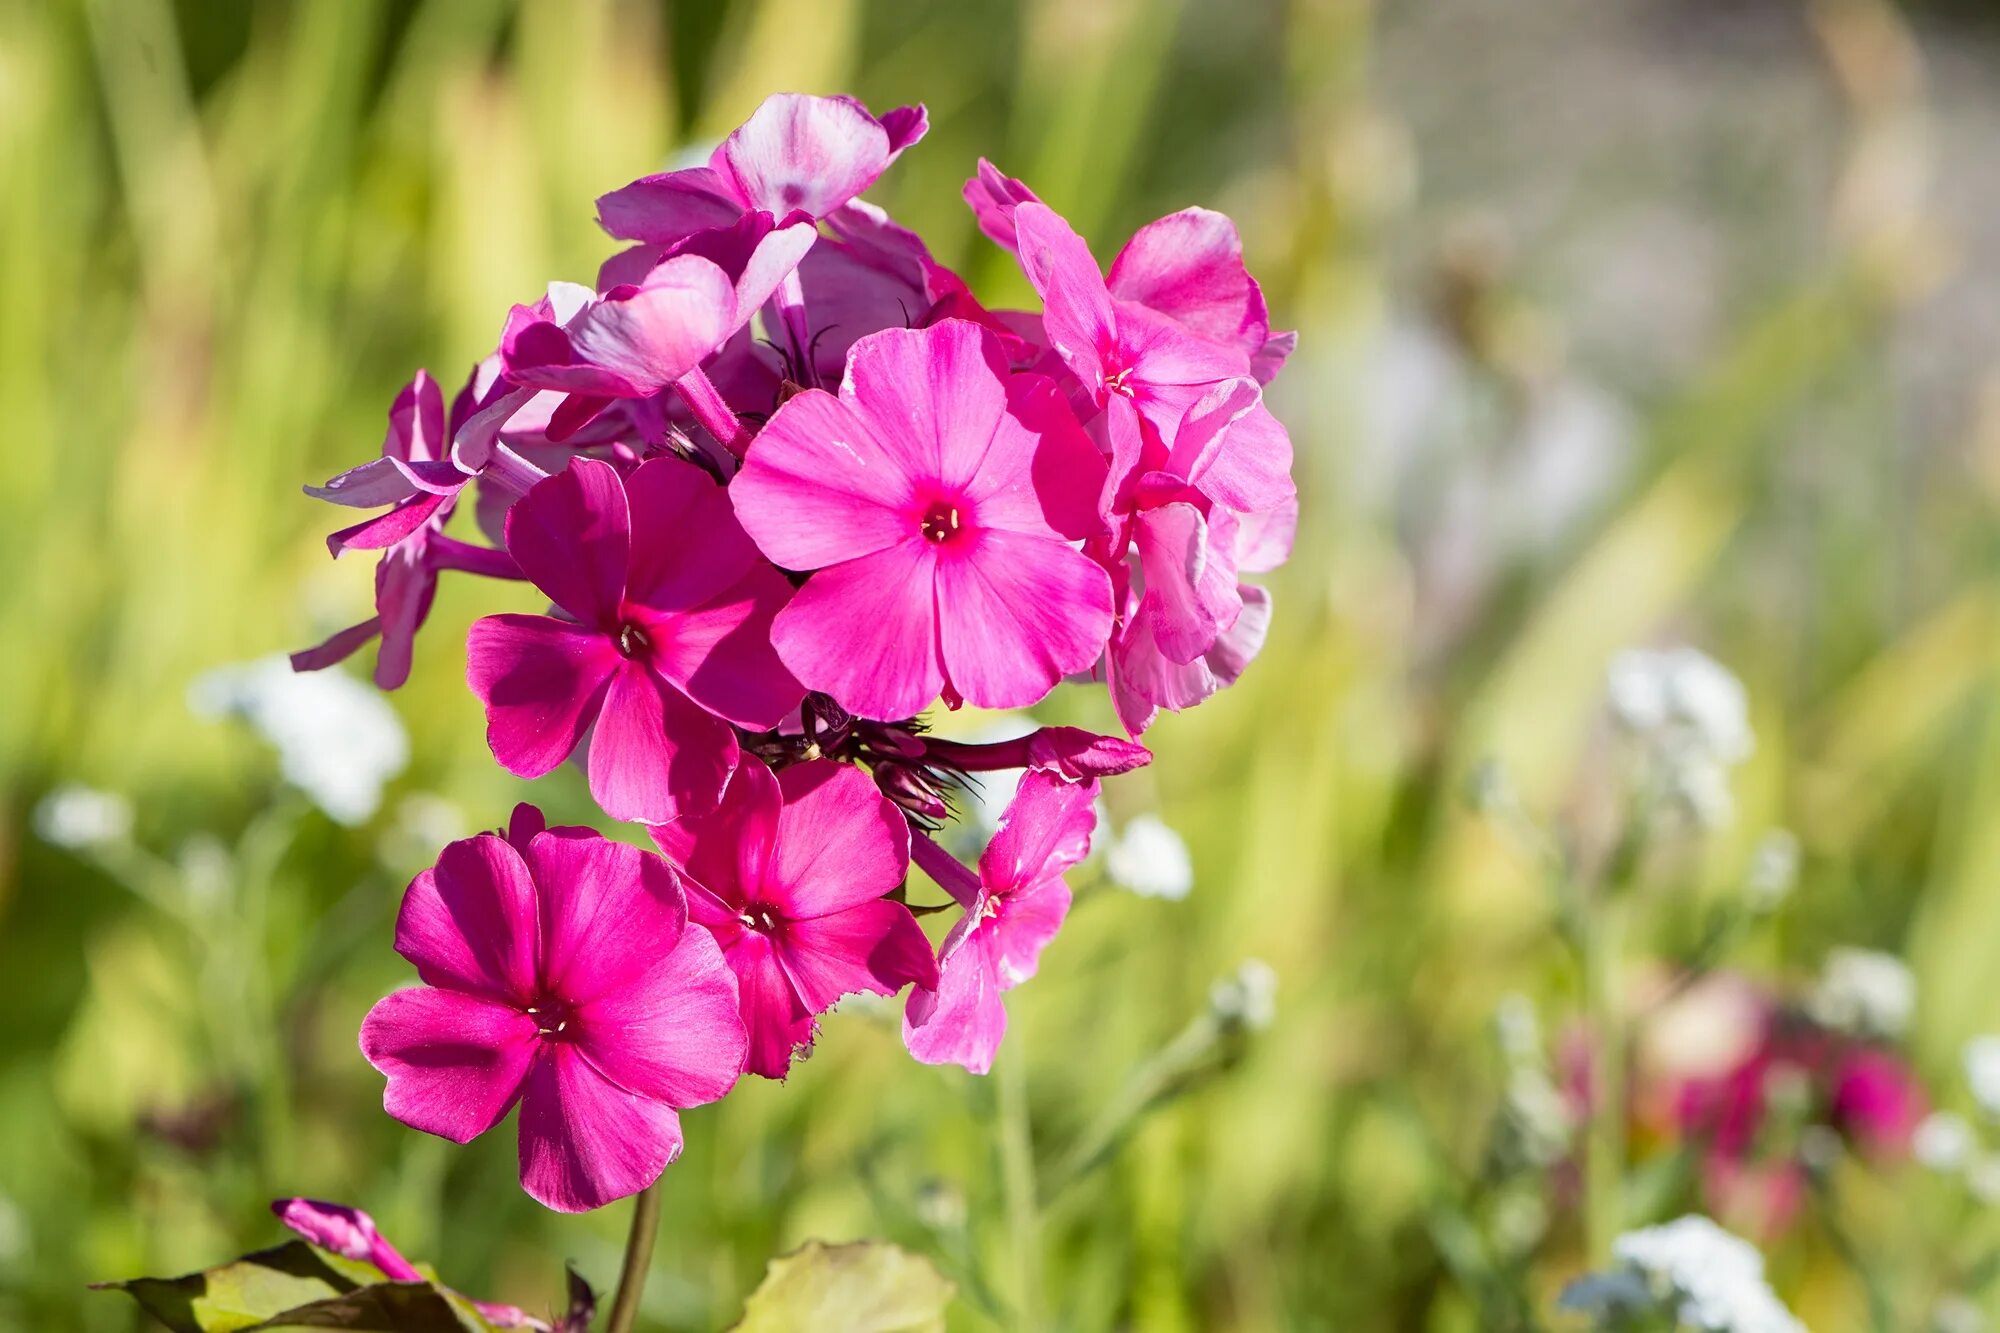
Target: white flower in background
[
  {"x": 1956, "y": 1314},
  {"x": 79, "y": 817},
  {"x": 1692, "y": 716},
  {"x": 1865, "y": 993},
  {"x": 337, "y": 740},
  {"x": 1150, "y": 859},
  {"x": 1981, "y": 1058},
  {"x": 1517, "y": 1029},
  {"x": 1983, "y": 1178},
  {"x": 1690, "y": 1271},
  {"x": 1943, "y": 1141},
  {"x": 1247, "y": 997},
  {"x": 1774, "y": 869},
  {"x": 1541, "y": 1119}
]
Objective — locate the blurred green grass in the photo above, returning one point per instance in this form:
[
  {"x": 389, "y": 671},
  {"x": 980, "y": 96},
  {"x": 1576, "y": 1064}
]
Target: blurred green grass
[{"x": 233, "y": 228}]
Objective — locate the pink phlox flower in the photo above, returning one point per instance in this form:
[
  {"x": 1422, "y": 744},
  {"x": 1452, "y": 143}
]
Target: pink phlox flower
[
  {"x": 938, "y": 498},
  {"x": 664, "y": 639},
  {"x": 558, "y": 972},
  {"x": 419, "y": 478},
  {"x": 790, "y": 874},
  {"x": 1013, "y": 907},
  {"x": 351, "y": 1234},
  {"x": 797, "y": 154},
  {"x": 632, "y": 341}
]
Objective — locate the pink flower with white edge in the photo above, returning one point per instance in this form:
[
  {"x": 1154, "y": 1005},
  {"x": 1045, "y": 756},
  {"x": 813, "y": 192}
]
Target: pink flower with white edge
[
  {"x": 796, "y": 154},
  {"x": 351, "y": 1234},
  {"x": 666, "y": 642},
  {"x": 1013, "y": 907},
  {"x": 559, "y": 973},
  {"x": 790, "y": 874},
  {"x": 937, "y": 498}
]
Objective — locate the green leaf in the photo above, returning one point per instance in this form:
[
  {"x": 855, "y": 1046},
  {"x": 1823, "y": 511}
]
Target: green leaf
[
  {"x": 296, "y": 1286},
  {"x": 868, "y": 1286}
]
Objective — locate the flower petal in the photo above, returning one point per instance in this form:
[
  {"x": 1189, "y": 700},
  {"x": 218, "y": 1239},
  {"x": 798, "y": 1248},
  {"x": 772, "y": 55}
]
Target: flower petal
[
  {"x": 874, "y": 946},
  {"x": 963, "y": 1020},
  {"x": 865, "y": 631},
  {"x": 1190, "y": 265},
  {"x": 1027, "y": 920},
  {"x": 608, "y": 910},
  {"x": 652, "y": 336},
  {"x": 720, "y": 653},
  {"x": 1045, "y": 830},
  {"x": 1015, "y": 615},
  {"x": 671, "y": 1030},
  {"x": 817, "y": 486},
  {"x": 1190, "y": 584},
  {"x": 776, "y": 1022},
  {"x": 1042, "y": 475},
  {"x": 839, "y": 843},
  {"x": 471, "y": 922},
  {"x": 666, "y": 207},
  {"x": 803, "y": 153},
  {"x": 725, "y": 849},
  {"x": 932, "y": 397},
  {"x": 1078, "y": 319},
  {"x": 571, "y": 534},
  {"x": 542, "y": 681},
  {"x": 455, "y": 1063},
  {"x": 687, "y": 546},
  {"x": 656, "y": 753},
  {"x": 585, "y": 1141}
]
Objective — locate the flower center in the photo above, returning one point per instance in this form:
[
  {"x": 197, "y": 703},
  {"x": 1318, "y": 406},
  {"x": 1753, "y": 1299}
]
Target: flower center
[
  {"x": 551, "y": 1019},
  {"x": 759, "y": 918},
  {"x": 1119, "y": 381},
  {"x": 941, "y": 522},
  {"x": 632, "y": 640}
]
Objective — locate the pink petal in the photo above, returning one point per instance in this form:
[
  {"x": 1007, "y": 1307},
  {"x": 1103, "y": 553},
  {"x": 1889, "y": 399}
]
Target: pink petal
[
  {"x": 932, "y": 398},
  {"x": 571, "y": 534},
  {"x": 1250, "y": 469},
  {"x": 1078, "y": 319},
  {"x": 347, "y": 1232},
  {"x": 756, "y": 253},
  {"x": 818, "y": 487},
  {"x": 865, "y": 631},
  {"x": 992, "y": 196},
  {"x": 1045, "y": 830},
  {"x": 471, "y": 923},
  {"x": 776, "y": 1021},
  {"x": 669, "y": 1030},
  {"x": 904, "y": 125},
  {"x": 1075, "y": 754},
  {"x": 1271, "y": 357},
  {"x": 1190, "y": 586},
  {"x": 651, "y": 337},
  {"x": 455, "y": 1062},
  {"x": 1027, "y": 920},
  {"x": 608, "y": 910},
  {"x": 542, "y": 681},
  {"x": 655, "y": 752},
  {"x": 376, "y": 482},
  {"x": 963, "y": 1020},
  {"x": 1241, "y": 643},
  {"x": 337, "y": 649},
  {"x": 387, "y": 530},
  {"x": 1041, "y": 474},
  {"x": 874, "y": 946},
  {"x": 802, "y": 153},
  {"x": 687, "y": 546},
  {"x": 1264, "y": 540},
  {"x": 585, "y": 1141},
  {"x": 720, "y": 653},
  {"x": 1015, "y": 615},
  {"x": 726, "y": 849},
  {"x": 405, "y": 585},
  {"x": 839, "y": 843},
  {"x": 1203, "y": 433},
  {"x": 1190, "y": 265},
  {"x": 665, "y": 208}
]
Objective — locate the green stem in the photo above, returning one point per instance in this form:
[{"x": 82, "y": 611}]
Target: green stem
[
  {"x": 638, "y": 1260},
  {"x": 1604, "y": 1161},
  {"x": 1017, "y": 1176}
]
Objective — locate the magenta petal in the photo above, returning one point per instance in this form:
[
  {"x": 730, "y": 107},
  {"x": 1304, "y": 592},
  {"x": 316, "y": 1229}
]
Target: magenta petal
[
  {"x": 1015, "y": 615},
  {"x": 1190, "y": 265},
  {"x": 1264, "y": 540},
  {"x": 932, "y": 398},
  {"x": 656, "y": 753},
  {"x": 455, "y": 1062},
  {"x": 341, "y": 646},
  {"x": 905, "y": 125},
  {"x": 1236, "y": 648},
  {"x": 775, "y": 1020},
  {"x": 963, "y": 1020},
  {"x": 839, "y": 843},
  {"x": 405, "y": 585},
  {"x": 865, "y": 631},
  {"x": 386, "y": 530},
  {"x": 1077, "y": 315},
  {"x": 669, "y": 1030},
  {"x": 585, "y": 1141},
  {"x": 374, "y": 483},
  {"x": 1041, "y": 473},
  {"x": 1077, "y": 754},
  {"x": 608, "y": 910},
  {"x": 1190, "y": 586},
  {"x": 1028, "y": 919},
  {"x": 803, "y": 153},
  {"x": 874, "y": 946},
  {"x": 542, "y": 681},
  {"x": 720, "y": 653},
  {"x": 1271, "y": 357},
  {"x": 572, "y": 534},
  {"x": 992, "y": 195},
  {"x": 1251, "y": 469},
  {"x": 686, "y": 543},
  {"x": 818, "y": 488},
  {"x": 471, "y": 923},
  {"x": 1045, "y": 830},
  {"x": 725, "y": 849},
  {"x": 665, "y": 208},
  {"x": 651, "y": 337}
]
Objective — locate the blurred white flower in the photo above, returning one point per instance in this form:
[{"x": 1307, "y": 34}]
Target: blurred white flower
[
  {"x": 337, "y": 740},
  {"x": 1774, "y": 869},
  {"x": 1981, "y": 1058},
  {"x": 1956, "y": 1314},
  {"x": 1247, "y": 997},
  {"x": 1865, "y": 993},
  {"x": 1983, "y": 1178},
  {"x": 1517, "y": 1029},
  {"x": 1150, "y": 859},
  {"x": 1541, "y": 1120},
  {"x": 1693, "y": 718},
  {"x": 79, "y": 817},
  {"x": 1943, "y": 1141},
  {"x": 1690, "y": 1271}
]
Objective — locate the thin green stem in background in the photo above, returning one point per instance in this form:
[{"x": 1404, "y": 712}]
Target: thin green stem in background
[
  {"x": 1017, "y": 1182},
  {"x": 638, "y": 1260}
]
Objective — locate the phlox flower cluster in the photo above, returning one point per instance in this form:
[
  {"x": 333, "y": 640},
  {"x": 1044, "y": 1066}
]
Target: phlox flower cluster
[{"x": 785, "y": 484}]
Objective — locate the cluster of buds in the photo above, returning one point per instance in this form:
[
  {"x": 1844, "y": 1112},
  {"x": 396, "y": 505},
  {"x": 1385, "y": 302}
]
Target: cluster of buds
[{"x": 786, "y": 484}]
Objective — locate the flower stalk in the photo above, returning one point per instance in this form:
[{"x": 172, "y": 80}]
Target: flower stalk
[{"x": 638, "y": 1260}]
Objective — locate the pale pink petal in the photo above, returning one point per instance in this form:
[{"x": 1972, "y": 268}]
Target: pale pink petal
[
  {"x": 1234, "y": 651},
  {"x": 839, "y": 843},
  {"x": 1078, "y": 319},
  {"x": 1264, "y": 540},
  {"x": 992, "y": 195},
  {"x": 1015, "y": 615},
  {"x": 656, "y": 753},
  {"x": 585, "y": 1141},
  {"x": 1045, "y": 830},
  {"x": 1250, "y": 468},
  {"x": 776, "y": 1021},
  {"x": 379, "y": 481},
  {"x": 1144, "y": 679},
  {"x": 865, "y": 631},
  {"x": 1042, "y": 474},
  {"x": 1027, "y": 919},
  {"x": 471, "y": 923},
  {"x": 455, "y": 1062},
  {"x": 798, "y": 152},
  {"x": 756, "y": 253},
  {"x": 1190, "y": 265},
  {"x": 932, "y": 397},
  {"x": 686, "y": 543},
  {"x": 963, "y": 1020},
  {"x": 1190, "y": 586},
  {"x": 818, "y": 487},
  {"x": 571, "y": 535},
  {"x": 664, "y": 208},
  {"x": 726, "y": 849},
  {"x": 542, "y": 682},
  {"x": 608, "y": 910},
  {"x": 1203, "y": 432},
  {"x": 874, "y": 946},
  {"x": 1271, "y": 357},
  {"x": 670, "y": 1029},
  {"x": 720, "y": 653},
  {"x": 653, "y": 336}
]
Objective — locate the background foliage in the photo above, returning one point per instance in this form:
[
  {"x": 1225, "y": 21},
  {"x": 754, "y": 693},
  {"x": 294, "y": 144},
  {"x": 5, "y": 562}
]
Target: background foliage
[{"x": 1620, "y": 322}]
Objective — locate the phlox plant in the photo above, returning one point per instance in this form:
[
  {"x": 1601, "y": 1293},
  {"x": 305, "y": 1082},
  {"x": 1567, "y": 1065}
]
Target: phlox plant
[{"x": 786, "y": 485}]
